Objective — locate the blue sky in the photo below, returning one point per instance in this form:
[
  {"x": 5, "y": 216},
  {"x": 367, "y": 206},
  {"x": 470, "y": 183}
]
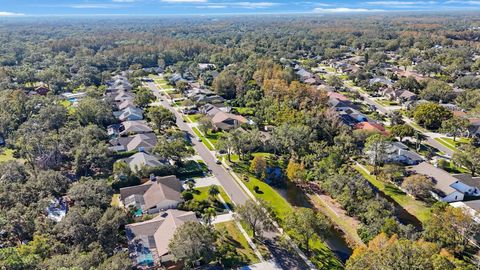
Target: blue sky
[{"x": 11, "y": 8}]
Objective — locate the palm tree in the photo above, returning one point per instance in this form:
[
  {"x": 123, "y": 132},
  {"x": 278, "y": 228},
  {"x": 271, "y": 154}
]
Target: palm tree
[
  {"x": 190, "y": 183},
  {"x": 213, "y": 191},
  {"x": 208, "y": 215}
]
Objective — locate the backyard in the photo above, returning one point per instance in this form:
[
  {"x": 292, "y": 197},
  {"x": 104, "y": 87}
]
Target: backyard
[{"x": 419, "y": 209}]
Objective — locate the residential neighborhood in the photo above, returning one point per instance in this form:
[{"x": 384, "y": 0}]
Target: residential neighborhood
[{"x": 347, "y": 137}]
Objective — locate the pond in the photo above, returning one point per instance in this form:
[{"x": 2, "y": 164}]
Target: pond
[{"x": 335, "y": 241}]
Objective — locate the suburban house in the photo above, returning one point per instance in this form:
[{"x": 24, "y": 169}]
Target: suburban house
[
  {"x": 138, "y": 142},
  {"x": 398, "y": 152},
  {"x": 130, "y": 114},
  {"x": 141, "y": 159},
  {"x": 42, "y": 89},
  {"x": 125, "y": 104},
  {"x": 401, "y": 96},
  {"x": 227, "y": 121},
  {"x": 471, "y": 207},
  {"x": 337, "y": 96},
  {"x": 158, "y": 194},
  {"x": 206, "y": 66},
  {"x": 447, "y": 188},
  {"x": 57, "y": 209},
  {"x": 371, "y": 127},
  {"x": 381, "y": 81},
  {"x": 148, "y": 240},
  {"x": 304, "y": 75},
  {"x": 134, "y": 127},
  {"x": 122, "y": 96},
  {"x": 339, "y": 104},
  {"x": 474, "y": 129}
]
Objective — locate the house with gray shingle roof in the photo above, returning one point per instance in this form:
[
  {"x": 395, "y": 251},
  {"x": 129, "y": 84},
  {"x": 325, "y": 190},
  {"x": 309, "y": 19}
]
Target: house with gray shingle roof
[
  {"x": 141, "y": 159},
  {"x": 159, "y": 194},
  {"x": 153, "y": 236},
  {"x": 138, "y": 142},
  {"x": 447, "y": 188}
]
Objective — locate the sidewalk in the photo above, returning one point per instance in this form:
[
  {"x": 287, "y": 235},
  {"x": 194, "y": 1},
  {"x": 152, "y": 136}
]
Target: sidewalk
[{"x": 249, "y": 193}]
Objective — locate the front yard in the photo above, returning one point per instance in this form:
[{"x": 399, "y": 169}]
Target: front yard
[{"x": 231, "y": 235}]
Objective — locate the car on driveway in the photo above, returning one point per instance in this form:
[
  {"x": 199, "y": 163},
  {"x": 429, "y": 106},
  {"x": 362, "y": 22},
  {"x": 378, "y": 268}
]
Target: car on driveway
[{"x": 218, "y": 161}]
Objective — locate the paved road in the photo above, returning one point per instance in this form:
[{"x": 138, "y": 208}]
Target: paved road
[
  {"x": 429, "y": 135},
  {"x": 229, "y": 184},
  {"x": 284, "y": 259}
]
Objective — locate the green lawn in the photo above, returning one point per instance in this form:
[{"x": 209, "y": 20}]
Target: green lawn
[
  {"x": 451, "y": 144},
  {"x": 446, "y": 144},
  {"x": 322, "y": 255},
  {"x": 6, "y": 154},
  {"x": 194, "y": 117},
  {"x": 230, "y": 234},
  {"x": 115, "y": 200},
  {"x": 417, "y": 208},
  {"x": 417, "y": 127},
  {"x": 385, "y": 102},
  {"x": 202, "y": 194},
  {"x": 204, "y": 140}
]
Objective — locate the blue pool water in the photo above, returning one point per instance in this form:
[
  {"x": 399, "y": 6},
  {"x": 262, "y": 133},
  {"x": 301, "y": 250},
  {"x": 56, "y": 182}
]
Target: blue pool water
[
  {"x": 72, "y": 100},
  {"x": 146, "y": 258}
]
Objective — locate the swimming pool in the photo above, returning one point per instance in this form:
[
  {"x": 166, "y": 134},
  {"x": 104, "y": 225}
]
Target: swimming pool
[{"x": 145, "y": 258}]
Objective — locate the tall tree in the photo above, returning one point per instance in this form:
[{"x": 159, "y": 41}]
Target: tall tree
[
  {"x": 431, "y": 115},
  {"x": 193, "y": 242},
  {"x": 161, "y": 117},
  {"x": 307, "y": 226},
  {"x": 468, "y": 156},
  {"x": 375, "y": 148},
  {"x": 255, "y": 215},
  {"x": 455, "y": 126}
]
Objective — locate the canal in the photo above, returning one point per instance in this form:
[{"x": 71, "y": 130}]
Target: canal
[{"x": 335, "y": 240}]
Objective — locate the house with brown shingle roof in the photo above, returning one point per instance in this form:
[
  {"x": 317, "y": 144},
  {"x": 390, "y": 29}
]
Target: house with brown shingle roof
[
  {"x": 227, "y": 121},
  {"x": 372, "y": 127},
  {"x": 153, "y": 236},
  {"x": 159, "y": 194}
]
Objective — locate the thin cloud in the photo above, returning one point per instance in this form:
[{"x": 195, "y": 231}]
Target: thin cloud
[
  {"x": 464, "y": 2},
  {"x": 10, "y": 14},
  {"x": 400, "y": 3},
  {"x": 345, "y": 10},
  {"x": 184, "y": 1},
  {"x": 124, "y": 1},
  {"x": 95, "y": 6},
  {"x": 255, "y": 4}
]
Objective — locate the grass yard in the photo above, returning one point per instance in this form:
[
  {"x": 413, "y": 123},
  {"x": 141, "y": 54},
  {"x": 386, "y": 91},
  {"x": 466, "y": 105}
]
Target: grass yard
[
  {"x": 202, "y": 194},
  {"x": 385, "y": 102},
  {"x": 446, "y": 144},
  {"x": 451, "y": 144},
  {"x": 417, "y": 127},
  {"x": 194, "y": 117},
  {"x": 230, "y": 234},
  {"x": 417, "y": 208},
  {"x": 208, "y": 144},
  {"x": 322, "y": 256},
  {"x": 115, "y": 201},
  {"x": 6, "y": 154}
]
